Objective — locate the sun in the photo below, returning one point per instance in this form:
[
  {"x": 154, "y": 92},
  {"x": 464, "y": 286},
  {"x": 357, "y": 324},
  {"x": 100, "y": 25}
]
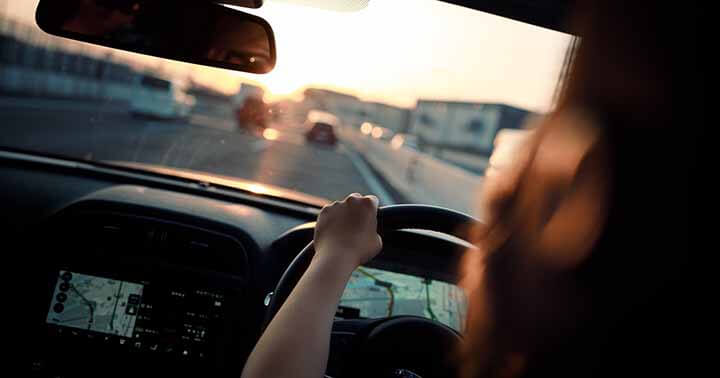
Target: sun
[{"x": 281, "y": 85}]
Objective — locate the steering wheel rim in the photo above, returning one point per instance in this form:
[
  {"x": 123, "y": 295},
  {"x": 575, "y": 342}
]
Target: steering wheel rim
[{"x": 390, "y": 218}]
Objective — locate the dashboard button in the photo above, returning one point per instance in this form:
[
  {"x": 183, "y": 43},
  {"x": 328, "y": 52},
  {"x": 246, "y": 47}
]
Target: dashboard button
[
  {"x": 38, "y": 366},
  {"x": 201, "y": 354}
]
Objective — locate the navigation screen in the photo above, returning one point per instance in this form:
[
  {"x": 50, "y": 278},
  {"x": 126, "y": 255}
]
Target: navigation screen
[
  {"x": 376, "y": 293},
  {"x": 95, "y": 303}
]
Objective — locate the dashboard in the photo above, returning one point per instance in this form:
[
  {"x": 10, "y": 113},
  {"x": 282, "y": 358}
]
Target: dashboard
[
  {"x": 131, "y": 276},
  {"x": 137, "y": 290}
]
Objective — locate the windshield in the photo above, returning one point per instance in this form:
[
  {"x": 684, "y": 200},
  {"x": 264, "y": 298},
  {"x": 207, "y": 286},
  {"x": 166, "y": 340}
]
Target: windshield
[{"x": 446, "y": 78}]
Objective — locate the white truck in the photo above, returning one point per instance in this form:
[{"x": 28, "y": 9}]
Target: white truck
[{"x": 160, "y": 98}]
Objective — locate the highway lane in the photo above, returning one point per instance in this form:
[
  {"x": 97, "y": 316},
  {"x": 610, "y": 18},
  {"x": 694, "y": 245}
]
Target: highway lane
[{"x": 107, "y": 132}]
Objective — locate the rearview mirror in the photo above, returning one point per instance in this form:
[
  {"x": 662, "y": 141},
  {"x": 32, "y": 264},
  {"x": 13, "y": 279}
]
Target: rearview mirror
[{"x": 199, "y": 32}]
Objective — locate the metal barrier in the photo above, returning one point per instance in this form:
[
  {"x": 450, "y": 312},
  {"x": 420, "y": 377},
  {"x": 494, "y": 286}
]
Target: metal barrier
[
  {"x": 418, "y": 176},
  {"x": 19, "y": 80},
  {"x": 34, "y": 63}
]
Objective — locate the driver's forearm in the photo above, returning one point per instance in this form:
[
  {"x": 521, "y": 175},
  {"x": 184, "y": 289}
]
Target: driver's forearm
[{"x": 296, "y": 342}]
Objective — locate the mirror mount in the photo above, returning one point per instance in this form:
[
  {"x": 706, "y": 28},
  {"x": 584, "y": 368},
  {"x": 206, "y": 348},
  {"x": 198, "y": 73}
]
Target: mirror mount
[{"x": 241, "y": 3}]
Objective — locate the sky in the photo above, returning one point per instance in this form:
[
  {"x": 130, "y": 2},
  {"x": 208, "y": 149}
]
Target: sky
[{"x": 394, "y": 51}]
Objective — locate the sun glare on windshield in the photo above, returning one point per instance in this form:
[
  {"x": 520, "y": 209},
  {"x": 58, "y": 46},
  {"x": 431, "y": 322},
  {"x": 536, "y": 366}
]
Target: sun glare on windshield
[
  {"x": 406, "y": 108},
  {"x": 379, "y": 56}
]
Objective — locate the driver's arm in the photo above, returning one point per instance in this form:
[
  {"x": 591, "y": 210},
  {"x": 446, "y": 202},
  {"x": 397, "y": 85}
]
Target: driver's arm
[{"x": 295, "y": 343}]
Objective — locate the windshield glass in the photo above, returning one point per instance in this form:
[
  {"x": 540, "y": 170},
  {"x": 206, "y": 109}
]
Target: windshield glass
[{"x": 445, "y": 77}]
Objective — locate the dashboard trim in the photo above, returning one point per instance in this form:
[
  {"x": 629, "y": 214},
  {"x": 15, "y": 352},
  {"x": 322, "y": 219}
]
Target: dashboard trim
[{"x": 140, "y": 177}]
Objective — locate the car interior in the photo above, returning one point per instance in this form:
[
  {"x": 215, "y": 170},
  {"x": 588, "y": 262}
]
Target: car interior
[{"x": 192, "y": 269}]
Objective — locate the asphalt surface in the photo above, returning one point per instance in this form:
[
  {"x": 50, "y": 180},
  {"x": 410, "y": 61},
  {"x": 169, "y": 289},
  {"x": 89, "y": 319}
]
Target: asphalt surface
[{"x": 108, "y": 132}]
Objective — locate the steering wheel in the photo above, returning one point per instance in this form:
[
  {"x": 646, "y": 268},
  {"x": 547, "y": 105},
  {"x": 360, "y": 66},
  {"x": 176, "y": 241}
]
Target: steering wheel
[{"x": 399, "y": 346}]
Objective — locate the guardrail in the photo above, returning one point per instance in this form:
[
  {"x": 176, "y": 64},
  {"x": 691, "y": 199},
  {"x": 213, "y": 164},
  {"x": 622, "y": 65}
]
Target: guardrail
[
  {"x": 32, "y": 63},
  {"x": 20, "y": 80},
  {"x": 418, "y": 176}
]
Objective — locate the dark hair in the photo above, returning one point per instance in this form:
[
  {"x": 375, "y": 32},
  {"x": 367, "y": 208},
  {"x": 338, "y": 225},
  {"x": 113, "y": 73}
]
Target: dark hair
[{"x": 618, "y": 312}]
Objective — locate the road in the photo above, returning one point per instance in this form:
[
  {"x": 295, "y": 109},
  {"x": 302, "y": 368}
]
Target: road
[{"x": 107, "y": 132}]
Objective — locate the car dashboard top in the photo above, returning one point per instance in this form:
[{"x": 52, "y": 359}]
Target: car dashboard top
[{"x": 130, "y": 277}]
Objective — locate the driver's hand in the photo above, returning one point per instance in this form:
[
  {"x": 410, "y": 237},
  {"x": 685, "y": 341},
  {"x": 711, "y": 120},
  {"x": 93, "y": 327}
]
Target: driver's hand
[{"x": 346, "y": 231}]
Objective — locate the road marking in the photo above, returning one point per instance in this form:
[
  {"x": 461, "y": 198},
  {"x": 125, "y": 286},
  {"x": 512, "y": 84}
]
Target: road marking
[
  {"x": 204, "y": 143},
  {"x": 168, "y": 152},
  {"x": 140, "y": 143},
  {"x": 376, "y": 187}
]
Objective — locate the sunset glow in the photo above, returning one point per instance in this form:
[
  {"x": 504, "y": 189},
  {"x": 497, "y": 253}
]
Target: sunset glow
[
  {"x": 270, "y": 134},
  {"x": 394, "y": 51},
  {"x": 397, "y": 51}
]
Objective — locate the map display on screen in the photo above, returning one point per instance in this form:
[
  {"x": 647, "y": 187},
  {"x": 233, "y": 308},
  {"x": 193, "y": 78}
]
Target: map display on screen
[{"x": 95, "y": 303}]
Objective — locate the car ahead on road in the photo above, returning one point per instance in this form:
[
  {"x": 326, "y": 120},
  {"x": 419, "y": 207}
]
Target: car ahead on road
[
  {"x": 165, "y": 251},
  {"x": 321, "y": 128},
  {"x": 160, "y": 98},
  {"x": 253, "y": 116},
  {"x": 322, "y": 133}
]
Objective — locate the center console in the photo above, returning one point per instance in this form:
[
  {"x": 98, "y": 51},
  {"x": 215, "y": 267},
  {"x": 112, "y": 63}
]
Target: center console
[
  {"x": 148, "y": 307},
  {"x": 180, "y": 322}
]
